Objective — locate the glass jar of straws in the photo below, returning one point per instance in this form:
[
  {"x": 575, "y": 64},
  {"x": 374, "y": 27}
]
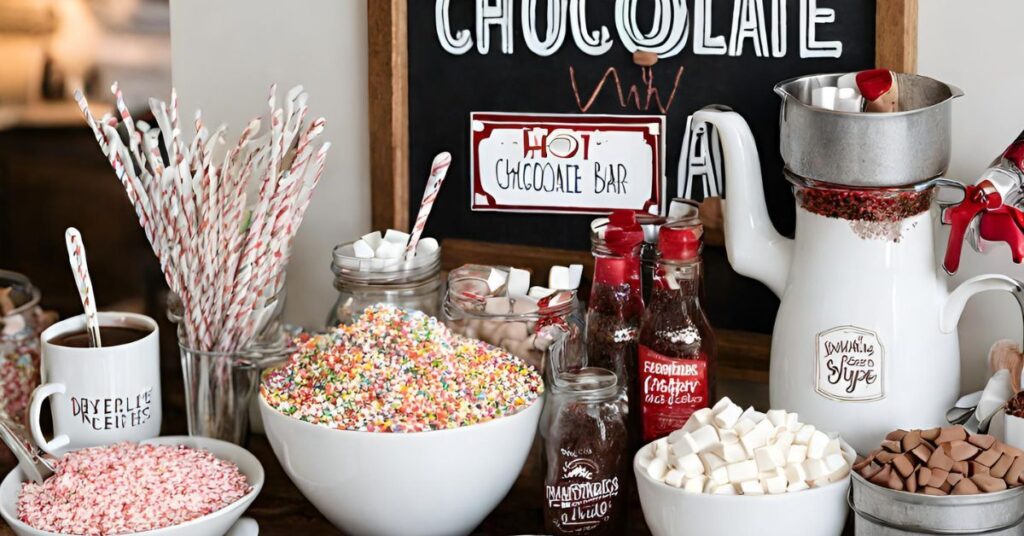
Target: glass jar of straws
[
  {"x": 409, "y": 283},
  {"x": 21, "y": 322}
]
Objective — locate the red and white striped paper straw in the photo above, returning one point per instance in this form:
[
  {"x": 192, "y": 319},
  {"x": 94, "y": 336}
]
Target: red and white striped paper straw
[{"x": 80, "y": 269}]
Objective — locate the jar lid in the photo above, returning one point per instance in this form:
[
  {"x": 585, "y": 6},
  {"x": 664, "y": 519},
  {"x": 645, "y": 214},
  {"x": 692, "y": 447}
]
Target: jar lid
[
  {"x": 681, "y": 240},
  {"x": 23, "y": 294},
  {"x": 588, "y": 381}
]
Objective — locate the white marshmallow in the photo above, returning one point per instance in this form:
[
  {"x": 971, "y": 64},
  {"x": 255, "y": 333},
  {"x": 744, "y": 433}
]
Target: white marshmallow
[
  {"x": 756, "y": 416},
  {"x": 721, "y": 475},
  {"x": 496, "y": 279},
  {"x": 395, "y": 236},
  {"x": 675, "y": 436},
  {"x": 657, "y": 469},
  {"x": 558, "y": 278},
  {"x": 837, "y": 467},
  {"x": 795, "y": 473},
  {"x": 674, "y": 478},
  {"x": 824, "y": 97},
  {"x": 848, "y": 100},
  {"x": 796, "y": 486},
  {"x": 518, "y": 283},
  {"x": 752, "y": 487},
  {"x": 743, "y": 426},
  {"x": 815, "y": 469},
  {"x": 575, "y": 276},
  {"x": 711, "y": 461},
  {"x": 816, "y": 446},
  {"x": 784, "y": 439},
  {"x": 727, "y": 417},
  {"x": 768, "y": 458},
  {"x": 747, "y": 413},
  {"x": 427, "y": 245},
  {"x": 725, "y": 489},
  {"x": 540, "y": 292},
  {"x": 742, "y": 471},
  {"x": 819, "y": 482},
  {"x": 776, "y": 484},
  {"x": 704, "y": 438},
  {"x": 682, "y": 445},
  {"x": 796, "y": 454},
  {"x": 803, "y": 435},
  {"x": 362, "y": 249},
  {"x": 373, "y": 239},
  {"x": 661, "y": 449},
  {"x": 719, "y": 406},
  {"x": 728, "y": 435},
  {"x": 699, "y": 418},
  {"x": 777, "y": 417},
  {"x": 389, "y": 250},
  {"x": 848, "y": 80},
  {"x": 695, "y": 484},
  {"x": 833, "y": 447},
  {"x": 756, "y": 437},
  {"x": 731, "y": 452},
  {"x": 793, "y": 422},
  {"x": 690, "y": 465},
  {"x": 644, "y": 458}
]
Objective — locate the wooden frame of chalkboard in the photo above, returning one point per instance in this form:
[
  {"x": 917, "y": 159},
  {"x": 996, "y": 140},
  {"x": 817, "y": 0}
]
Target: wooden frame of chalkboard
[{"x": 743, "y": 355}]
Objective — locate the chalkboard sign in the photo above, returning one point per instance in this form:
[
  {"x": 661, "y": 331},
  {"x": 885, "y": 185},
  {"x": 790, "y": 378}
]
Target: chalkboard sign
[{"x": 439, "y": 62}]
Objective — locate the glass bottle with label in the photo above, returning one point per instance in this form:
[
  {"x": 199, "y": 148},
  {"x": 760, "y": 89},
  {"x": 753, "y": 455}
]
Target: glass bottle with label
[
  {"x": 616, "y": 304},
  {"x": 586, "y": 453},
  {"x": 678, "y": 351}
]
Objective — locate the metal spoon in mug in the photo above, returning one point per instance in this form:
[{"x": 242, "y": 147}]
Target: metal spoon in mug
[
  {"x": 964, "y": 408},
  {"x": 80, "y": 269}
]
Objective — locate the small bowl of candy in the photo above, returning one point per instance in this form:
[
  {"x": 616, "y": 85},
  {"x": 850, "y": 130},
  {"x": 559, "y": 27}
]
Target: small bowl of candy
[
  {"x": 396, "y": 425},
  {"x": 735, "y": 471},
  {"x": 167, "y": 486}
]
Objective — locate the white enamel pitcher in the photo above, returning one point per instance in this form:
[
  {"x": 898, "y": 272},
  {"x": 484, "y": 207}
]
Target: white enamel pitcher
[{"x": 866, "y": 335}]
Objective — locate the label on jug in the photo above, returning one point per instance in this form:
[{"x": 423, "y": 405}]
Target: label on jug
[
  {"x": 671, "y": 389},
  {"x": 849, "y": 364}
]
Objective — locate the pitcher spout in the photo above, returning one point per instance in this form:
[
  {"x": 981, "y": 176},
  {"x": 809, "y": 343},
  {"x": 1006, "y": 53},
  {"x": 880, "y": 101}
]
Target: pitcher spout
[{"x": 754, "y": 247}]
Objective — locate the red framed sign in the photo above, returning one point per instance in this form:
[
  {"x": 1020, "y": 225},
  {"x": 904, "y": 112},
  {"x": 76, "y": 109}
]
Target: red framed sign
[{"x": 565, "y": 163}]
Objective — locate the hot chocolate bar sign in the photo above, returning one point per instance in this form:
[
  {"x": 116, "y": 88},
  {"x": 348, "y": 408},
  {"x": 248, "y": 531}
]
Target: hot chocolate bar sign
[{"x": 588, "y": 163}]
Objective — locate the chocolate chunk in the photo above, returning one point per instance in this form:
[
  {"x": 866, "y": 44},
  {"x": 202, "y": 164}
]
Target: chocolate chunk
[
  {"x": 962, "y": 450},
  {"x": 881, "y": 478},
  {"x": 1016, "y": 468},
  {"x": 896, "y": 435},
  {"x": 954, "y": 478},
  {"x": 965, "y": 487},
  {"x": 903, "y": 464},
  {"x": 911, "y": 440},
  {"x": 1009, "y": 449},
  {"x": 892, "y": 445},
  {"x": 922, "y": 452},
  {"x": 863, "y": 463},
  {"x": 975, "y": 468},
  {"x": 988, "y": 484},
  {"x": 911, "y": 484},
  {"x": 939, "y": 460},
  {"x": 886, "y": 457},
  {"x": 870, "y": 470},
  {"x": 931, "y": 434},
  {"x": 934, "y": 491},
  {"x": 924, "y": 476},
  {"x": 946, "y": 486},
  {"x": 951, "y": 433},
  {"x": 961, "y": 467},
  {"x": 988, "y": 458},
  {"x": 982, "y": 441},
  {"x": 895, "y": 482},
  {"x": 1000, "y": 468},
  {"x": 938, "y": 477}
]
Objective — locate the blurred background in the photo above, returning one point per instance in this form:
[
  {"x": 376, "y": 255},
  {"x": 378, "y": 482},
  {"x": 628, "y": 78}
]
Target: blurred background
[{"x": 223, "y": 55}]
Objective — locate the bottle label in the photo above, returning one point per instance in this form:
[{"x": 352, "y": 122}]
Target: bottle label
[
  {"x": 849, "y": 364},
  {"x": 671, "y": 390},
  {"x": 580, "y": 501}
]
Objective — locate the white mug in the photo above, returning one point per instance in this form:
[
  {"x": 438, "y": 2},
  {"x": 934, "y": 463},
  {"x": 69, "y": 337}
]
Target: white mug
[{"x": 100, "y": 396}]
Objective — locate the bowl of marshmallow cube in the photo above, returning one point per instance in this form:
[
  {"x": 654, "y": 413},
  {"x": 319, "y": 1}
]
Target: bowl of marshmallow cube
[{"x": 730, "y": 470}]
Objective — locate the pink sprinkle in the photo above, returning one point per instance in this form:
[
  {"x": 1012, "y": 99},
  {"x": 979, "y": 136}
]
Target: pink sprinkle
[{"x": 128, "y": 488}]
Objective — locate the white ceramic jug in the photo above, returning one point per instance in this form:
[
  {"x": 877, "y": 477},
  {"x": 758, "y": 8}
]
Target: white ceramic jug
[{"x": 865, "y": 340}]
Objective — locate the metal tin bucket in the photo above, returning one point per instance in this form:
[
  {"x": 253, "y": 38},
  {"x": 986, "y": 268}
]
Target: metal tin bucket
[
  {"x": 867, "y": 149},
  {"x": 883, "y": 512}
]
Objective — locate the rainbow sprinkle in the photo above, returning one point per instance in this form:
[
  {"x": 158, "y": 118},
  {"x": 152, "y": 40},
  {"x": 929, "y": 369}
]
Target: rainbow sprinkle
[{"x": 394, "y": 370}]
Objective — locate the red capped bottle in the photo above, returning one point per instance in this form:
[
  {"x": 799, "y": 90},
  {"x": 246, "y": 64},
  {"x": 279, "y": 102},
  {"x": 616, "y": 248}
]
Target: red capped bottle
[{"x": 677, "y": 351}]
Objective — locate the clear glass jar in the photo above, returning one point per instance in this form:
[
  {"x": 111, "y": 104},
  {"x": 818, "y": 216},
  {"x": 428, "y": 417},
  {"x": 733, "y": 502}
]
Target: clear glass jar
[
  {"x": 586, "y": 454},
  {"x": 21, "y": 322},
  {"x": 547, "y": 334},
  {"x": 411, "y": 284}
]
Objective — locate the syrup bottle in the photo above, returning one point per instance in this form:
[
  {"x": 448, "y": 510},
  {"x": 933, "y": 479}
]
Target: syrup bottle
[{"x": 678, "y": 351}]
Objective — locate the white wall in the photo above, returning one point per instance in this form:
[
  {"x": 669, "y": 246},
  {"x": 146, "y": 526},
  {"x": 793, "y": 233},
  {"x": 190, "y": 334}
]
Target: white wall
[
  {"x": 979, "y": 49},
  {"x": 225, "y": 56}
]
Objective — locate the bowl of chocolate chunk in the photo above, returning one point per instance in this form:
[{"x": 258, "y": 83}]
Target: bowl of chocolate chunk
[
  {"x": 735, "y": 471},
  {"x": 938, "y": 481}
]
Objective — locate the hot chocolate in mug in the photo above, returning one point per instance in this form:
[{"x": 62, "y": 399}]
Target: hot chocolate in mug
[{"x": 99, "y": 396}]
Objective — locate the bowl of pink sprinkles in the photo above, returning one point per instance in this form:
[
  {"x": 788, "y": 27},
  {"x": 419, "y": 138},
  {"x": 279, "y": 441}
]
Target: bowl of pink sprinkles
[{"x": 167, "y": 486}]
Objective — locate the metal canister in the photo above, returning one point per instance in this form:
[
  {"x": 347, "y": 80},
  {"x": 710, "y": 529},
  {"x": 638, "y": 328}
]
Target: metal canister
[
  {"x": 830, "y": 146},
  {"x": 881, "y": 511}
]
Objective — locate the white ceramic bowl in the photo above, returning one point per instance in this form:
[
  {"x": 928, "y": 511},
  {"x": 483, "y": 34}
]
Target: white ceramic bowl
[
  {"x": 422, "y": 483},
  {"x": 214, "y": 524},
  {"x": 811, "y": 512}
]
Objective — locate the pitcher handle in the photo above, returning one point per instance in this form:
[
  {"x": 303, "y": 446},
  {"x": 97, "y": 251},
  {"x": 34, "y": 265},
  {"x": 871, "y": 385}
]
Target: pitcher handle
[{"x": 957, "y": 299}]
